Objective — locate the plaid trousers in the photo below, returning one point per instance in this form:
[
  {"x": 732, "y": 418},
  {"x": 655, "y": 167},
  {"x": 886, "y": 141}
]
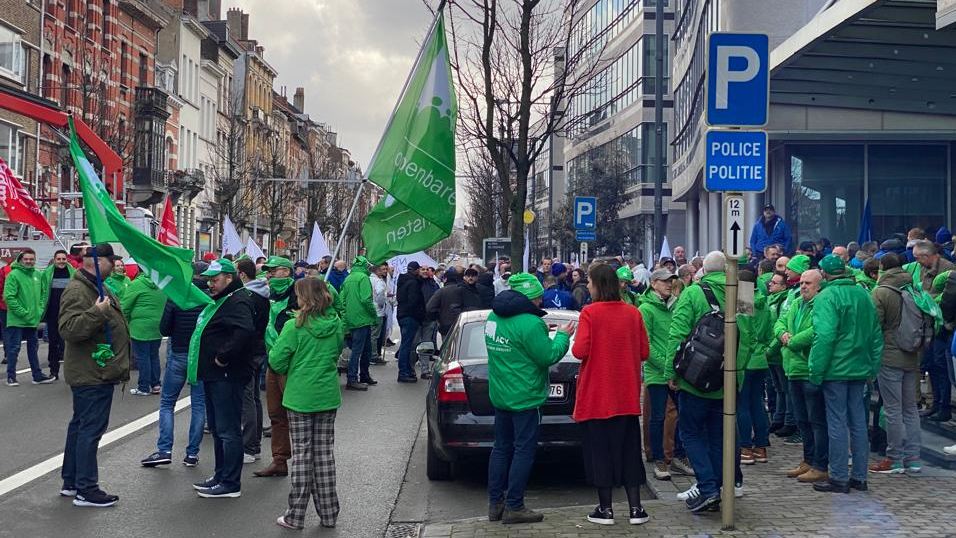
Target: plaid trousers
[{"x": 313, "y": 467}]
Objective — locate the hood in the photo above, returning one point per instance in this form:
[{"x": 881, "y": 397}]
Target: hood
[
  {"x": 510, "y": 303},
  {"x": 21, "y": 267},
  {"x": 651, "y": 298},
  {"x": 895, "y": 277},
  {"x": 943, "y": 235},
  {"x": 147, "y": 281},
  {"x": 360, "y": 265},
  {"x": 323, "y": 326},
  {"x": 259, "y": 287},
  {"x": 716, "y": 281},
  {"x": 486, "y": 279},
  {"x": 235, "y": 285}
]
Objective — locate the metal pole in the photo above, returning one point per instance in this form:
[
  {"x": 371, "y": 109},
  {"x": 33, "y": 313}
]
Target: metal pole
[
  {"x": 730, "y": 397},
  {"x": 551, "y": 191},
  {"x": 659, "y": 125},
  {"x": 348, "y": 220}
]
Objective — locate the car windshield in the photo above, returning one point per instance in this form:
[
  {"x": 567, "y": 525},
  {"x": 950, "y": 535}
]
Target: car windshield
[{"x": 473, "y": 339}]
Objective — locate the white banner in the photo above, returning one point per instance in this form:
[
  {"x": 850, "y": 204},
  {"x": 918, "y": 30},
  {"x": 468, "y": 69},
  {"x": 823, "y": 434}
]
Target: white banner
[
  {"x": 231, "y": 243},
  {"x": 400, "y": 263},
  {"x": 318, "y": 248},
  {"x": 253, "y": 250}
]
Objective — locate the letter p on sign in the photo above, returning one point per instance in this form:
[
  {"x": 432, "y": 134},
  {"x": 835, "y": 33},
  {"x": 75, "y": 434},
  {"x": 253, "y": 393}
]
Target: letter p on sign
[
  {"x": 737, "y": 79},
  {"x": 585, "y": 217}
]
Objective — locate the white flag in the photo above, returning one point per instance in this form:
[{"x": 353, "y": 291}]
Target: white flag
[
  {"x": 526, "y": 256},
  {"x": 665, "y": 249},
  {"x": 253, "y": 250},
  {"x": 318, "y": 248},
  {"x": 400, "y": 262},
  {"x": 231, "y": 244}
]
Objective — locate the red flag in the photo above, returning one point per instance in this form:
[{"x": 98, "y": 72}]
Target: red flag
[
  {"x": 18, "y": 204},
  {"x": 168, "y": 235}
]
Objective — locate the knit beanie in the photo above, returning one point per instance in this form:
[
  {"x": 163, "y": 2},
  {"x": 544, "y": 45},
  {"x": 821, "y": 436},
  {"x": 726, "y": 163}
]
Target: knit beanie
[{"x": 526, "y": 284}]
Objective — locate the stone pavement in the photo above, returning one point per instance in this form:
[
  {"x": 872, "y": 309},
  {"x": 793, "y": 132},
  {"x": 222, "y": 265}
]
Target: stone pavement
[{"x": 773, "y": 505}]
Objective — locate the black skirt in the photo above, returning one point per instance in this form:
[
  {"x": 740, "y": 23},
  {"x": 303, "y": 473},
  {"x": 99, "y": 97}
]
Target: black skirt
[{"x": 612, "y": 452}]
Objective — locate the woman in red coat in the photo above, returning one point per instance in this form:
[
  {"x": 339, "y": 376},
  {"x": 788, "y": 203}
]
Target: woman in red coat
[{"x": 611, "y": 343}]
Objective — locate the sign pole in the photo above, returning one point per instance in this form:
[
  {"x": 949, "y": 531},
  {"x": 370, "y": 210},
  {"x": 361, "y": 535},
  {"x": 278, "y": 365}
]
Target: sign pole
[{"x": 730, "y": 398}]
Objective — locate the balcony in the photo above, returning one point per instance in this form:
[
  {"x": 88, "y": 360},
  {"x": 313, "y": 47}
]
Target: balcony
[
  {"x": 149, "y": 151},
  {"x": 151, "y": 102},
  {"x": 186, "y": 183}
]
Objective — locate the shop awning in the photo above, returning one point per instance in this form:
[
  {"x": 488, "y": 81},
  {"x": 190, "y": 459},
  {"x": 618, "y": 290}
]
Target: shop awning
[{"x": 869, "y": 54}]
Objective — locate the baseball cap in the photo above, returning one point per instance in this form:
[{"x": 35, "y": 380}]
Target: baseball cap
[
  {"x": 662, "y": 274},
  {"x": 769, "y": 206},
  {"x": 414, "y": 265},
  {"x": 558, "y": 268},
  {"x": 832, "y": 265},
  {"x": 526, "y": 284},
  {"x": 624, "y": 273},
  {"x": 221, "y": 265},
  {"x": 277, "y": 261},
  {"x": 102, "y": 250},
  {"x": 667, "y": 260},
  {"x": 471, "y": 272}
]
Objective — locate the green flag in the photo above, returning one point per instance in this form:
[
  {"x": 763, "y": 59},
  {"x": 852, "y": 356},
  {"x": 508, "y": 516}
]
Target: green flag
[
  {"x": 415, "y": 159},
  {"x": 170, "y": 268}
]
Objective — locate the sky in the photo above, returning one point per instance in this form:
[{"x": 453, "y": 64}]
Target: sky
[{"x": 351, "y": 56}]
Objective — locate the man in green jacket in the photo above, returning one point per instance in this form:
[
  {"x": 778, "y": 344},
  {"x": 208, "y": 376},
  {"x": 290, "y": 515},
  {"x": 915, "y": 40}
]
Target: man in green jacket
[
  {"x": 752, "y": 422},
  {"x": 625, "y": 276},
  {"x": 656, "y": 309},
  {"x": 360, "y": 317},
  {"x": 899, "y": 373},
  {"x": 846, "y": 352},
  {"x": 930, "y": 264},
  {"x": 794, "y": 332},
  {"x": 23, "y": 292},
  {"x": 117, "y": 281},
  {"x": 782, "y": 411},
  {"x": 143, "y": 305},
  {"x": 700, "y": 413},
  {"x": 520, "y": 354}
]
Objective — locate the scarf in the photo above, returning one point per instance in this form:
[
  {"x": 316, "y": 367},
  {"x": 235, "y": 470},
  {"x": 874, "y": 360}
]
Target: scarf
[
  {"x": 278, "y": 286},
  {"x": 192, "y": 359}
]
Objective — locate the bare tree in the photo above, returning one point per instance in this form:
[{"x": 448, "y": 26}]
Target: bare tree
[
  {"x": 485, "y": 209},
  {"x": 231, "y": 170}
]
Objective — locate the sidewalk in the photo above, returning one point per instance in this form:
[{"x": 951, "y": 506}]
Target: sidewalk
[{"x": 773, "y": 505}]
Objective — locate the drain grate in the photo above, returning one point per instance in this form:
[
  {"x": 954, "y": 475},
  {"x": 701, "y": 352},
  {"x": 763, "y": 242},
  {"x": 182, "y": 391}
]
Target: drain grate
[{"x": 403, "y": 530}]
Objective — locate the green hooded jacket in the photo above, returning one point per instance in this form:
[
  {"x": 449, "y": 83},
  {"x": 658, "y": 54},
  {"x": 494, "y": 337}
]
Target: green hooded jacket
[
  {"x": 630, "y": 297},
  {"x": 22, "y": 291},
  {"x": 864, "y": 281},
  {"x": 657, "y": 321},
  {"x": 117, "y": 284},
  {"x": 761, "y": 335},
  {"x": 847, "y": 340},
  {"x": 143, "y": 304},
  {"x": 46, "y": 280},
  {"x": 309, "y": 355},
  {"x": 799, "y": 323},
  {"x": 774, "y": 306},
  {"x": 356, "y": 293}
]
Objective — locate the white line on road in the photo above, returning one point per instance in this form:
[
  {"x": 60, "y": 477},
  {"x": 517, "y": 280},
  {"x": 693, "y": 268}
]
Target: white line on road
[{"x": 26, "y": 476}]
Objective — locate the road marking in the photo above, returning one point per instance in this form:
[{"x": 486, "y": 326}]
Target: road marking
[{"x": 26, "y": 476}]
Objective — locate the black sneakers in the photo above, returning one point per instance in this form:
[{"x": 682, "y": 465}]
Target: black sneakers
[
  {"x": 218, "y": 492},
  {"x": 206, "y": 484},
  {"x": 601, "y": 516},
  {"x": 44, "y": 380},
  {"x": 191, "y": 461},
  {"x": 355, "y": 385},
  {"x": 156, "y": 459},
  {"x": 407, "y": 379},
  {"x": 638, "y": 516},
  {"x": 701, "y": 503},
  {"x": 96, "y": 498},
  {"x": 521, "y": 515},
  {"x": 495, "y": 511}
]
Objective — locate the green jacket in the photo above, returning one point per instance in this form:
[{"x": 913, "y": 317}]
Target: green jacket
[
  {"x": 22, "y": 291},
  {"x": 774, "y": 306},
  {"x": 520, "y": 353},
  {"x": 657, "y": 321},
  {"x": 143, "y": 305},
  {"x": 799, "y": 323},
  {"x": 356, "y": 294},
  {"x": 762, "y": 282},
  {"x": 630, "y": 297},
  {"x": 309, "y": 355},
  {"x": 691, "y": 306},
  {"x": 865, "y": 282},
  {"x": 117, "y": 283},
  {"x": 761, "y": 335},
  {"x": 889, "y": 306},
  {"x": 847, "y": 340},
  {"x": 46, "y": 280},
  {"x": 83, "y": 326}
]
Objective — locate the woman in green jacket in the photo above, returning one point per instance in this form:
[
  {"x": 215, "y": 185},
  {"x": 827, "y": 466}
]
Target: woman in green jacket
[
  {"x": 117, "y": 281},
  {"x": 307, "y": 352}
]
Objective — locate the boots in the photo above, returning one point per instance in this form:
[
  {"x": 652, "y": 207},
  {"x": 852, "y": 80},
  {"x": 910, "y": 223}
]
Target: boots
[
  {"x": 812, "y": 476},
  {"x": 802, "y": 468}
]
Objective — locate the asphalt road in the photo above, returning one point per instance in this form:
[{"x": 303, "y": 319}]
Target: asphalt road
[{"x": 375, "y": 433}]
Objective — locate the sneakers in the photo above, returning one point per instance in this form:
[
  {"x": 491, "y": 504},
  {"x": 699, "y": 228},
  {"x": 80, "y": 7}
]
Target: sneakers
[
  {"x": 812, "y": 476},
  {"x": 408, "y": 379},
  {"x": 701, "y": 503},
  {"x": 638, "y": 516},
  {"x": 802, "y": 468},
  {"x": 369, "y": 381},
  {"x": 355, "y": 385},
  {"x": 760, "y": 455},
  {"x": 191, "y": 461},
  {"x": 137, "y": 392},
  {"x": 738, "y": 489},
  {"x": 67, "y": 491},
  {"x": 521, "y": 515},
  {"x": 831, "y": 487},
  {"x": 691, "y": 493},
  {"x": 280, "y": 521},
  {"x": 250, "y": 458},
  {"x": 96, "y": 498},
  {"x": 681, "y": 466},
  {"x": 794, "y": 439},
  {"x": 218, "y": 492},
  {"x": 206, "y": 484},
  {"x": 785, "y": 431},
  {"x": 156, "y": 390},
  {"x": 495, "y": 511},
  {"x": 914, "y": 465},
  {"x": 12, "y": 382},
  {"x": 44, "y": 380},
  {"x": 747, "y": 457},
  {"x": 661, "y": 471},
  {"x": 156, "y": 458},
  {"x": 951, "y": 450},
  {"x": 601, "y": 516},
  {"x": 887, "y": 466}
]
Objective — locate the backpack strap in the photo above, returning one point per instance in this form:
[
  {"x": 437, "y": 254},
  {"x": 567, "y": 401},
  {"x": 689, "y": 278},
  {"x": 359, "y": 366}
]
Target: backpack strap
[{"x": 711, "y": 298}]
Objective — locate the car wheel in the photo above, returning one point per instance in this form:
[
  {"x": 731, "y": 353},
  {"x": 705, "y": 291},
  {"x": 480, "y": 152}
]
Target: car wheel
[{"x": 435, "y": 467}]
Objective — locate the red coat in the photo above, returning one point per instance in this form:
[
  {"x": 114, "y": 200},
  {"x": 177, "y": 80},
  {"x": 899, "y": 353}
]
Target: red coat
[
  {"x": 3, "y": 280},
  {"x": 611, "y": 343}
]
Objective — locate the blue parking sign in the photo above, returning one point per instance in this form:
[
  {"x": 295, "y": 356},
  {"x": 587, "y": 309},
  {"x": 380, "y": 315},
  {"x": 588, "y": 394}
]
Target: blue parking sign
[
  {"x": 585, "y": 213},
  {"x": 738, "y": 79},
  {"x": 736, "y": 161}
]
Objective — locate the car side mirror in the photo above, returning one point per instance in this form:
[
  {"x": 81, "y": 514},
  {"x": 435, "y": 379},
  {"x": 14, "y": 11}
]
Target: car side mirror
[{"x": 427, "y": 349}]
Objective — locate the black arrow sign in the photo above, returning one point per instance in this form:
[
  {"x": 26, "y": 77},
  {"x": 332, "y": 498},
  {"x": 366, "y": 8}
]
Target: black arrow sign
[{"x": 735, "y": 228}]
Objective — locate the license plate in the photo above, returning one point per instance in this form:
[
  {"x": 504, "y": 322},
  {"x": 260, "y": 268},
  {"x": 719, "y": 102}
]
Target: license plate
[{"x": 556, "y": 391}]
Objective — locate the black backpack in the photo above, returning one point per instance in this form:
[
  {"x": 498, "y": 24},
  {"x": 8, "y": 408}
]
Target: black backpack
[{"x": 700, "y": 359}]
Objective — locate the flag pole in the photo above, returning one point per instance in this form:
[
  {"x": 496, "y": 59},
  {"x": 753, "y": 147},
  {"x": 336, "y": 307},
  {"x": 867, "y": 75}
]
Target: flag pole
[
  {"x": 56, "y": 238},
  {"x": 345, "y": 227}
]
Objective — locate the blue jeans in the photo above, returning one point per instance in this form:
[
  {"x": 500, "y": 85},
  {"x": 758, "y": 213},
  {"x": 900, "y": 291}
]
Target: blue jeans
[
  {"x": 934, "y": 361},
  {"x": 702, "y": 430},
  {"x": 173, "y": 382},
  {"x": 810, "y": 410},
  {"x": 845, "y": 412},
  {"x": 91, "y": 415},
  {"x": 146, "y": 353},
  {"x": 224, "y": 410},
  {"x": 516, "y": 439},
  {"x": 361, "y": 354},
  {"x": 658, "y": 395},
  {"x": 409, "y": 327},
  {"x": 753, "y": 426},
  {"x": 782, "y": 413},
  {"x": 12, "y": 338}
]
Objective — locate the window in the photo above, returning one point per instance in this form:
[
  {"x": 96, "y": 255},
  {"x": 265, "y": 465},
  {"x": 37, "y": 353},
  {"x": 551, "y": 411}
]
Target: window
[
  {"x": 65, "y": 86},
  {"x": 9, "y": 148},
  {"x": 124, "y": 52},
  {"x": 90, "y": 22},
  {"x": 12, "y": 62},
  {"x": 143, "y": 70},
  {"x": 105, "y": 35},
  {"x": 826, "y": 191}
]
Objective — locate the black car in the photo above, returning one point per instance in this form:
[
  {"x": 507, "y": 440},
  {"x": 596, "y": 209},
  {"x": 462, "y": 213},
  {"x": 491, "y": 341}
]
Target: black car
[{"x": 461, "y": 419}]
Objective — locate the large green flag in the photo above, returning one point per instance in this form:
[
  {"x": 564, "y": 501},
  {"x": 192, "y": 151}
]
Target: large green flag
[
  {"x": 170, "y": 268},
  {"x": 415, "y": 159}
]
